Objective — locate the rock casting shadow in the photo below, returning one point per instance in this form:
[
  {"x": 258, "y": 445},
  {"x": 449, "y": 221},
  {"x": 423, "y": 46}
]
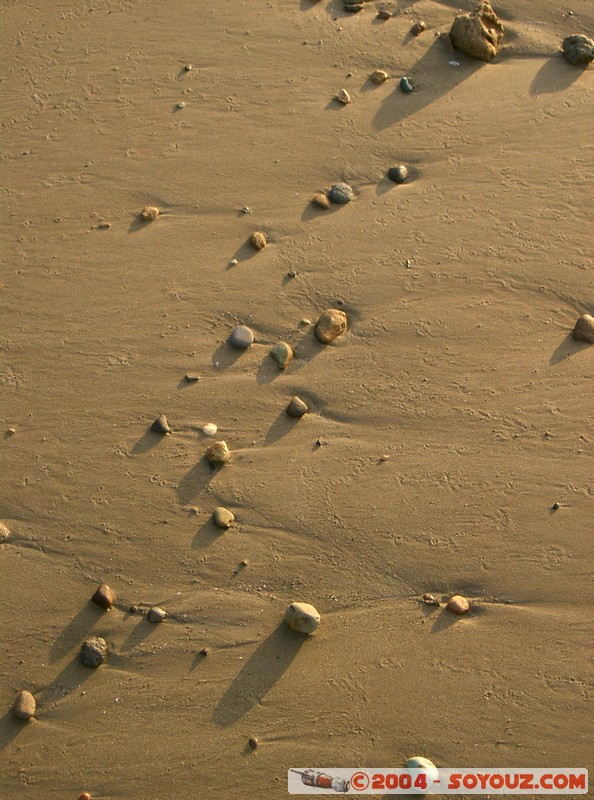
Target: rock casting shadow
[
  {"x": 196, "y": 479},
  {"x": 263, "y": 670},
  {"x": 76, "y": 630},
  {"x": 147, "y": 441},
  {"x": 555, "y": 75},
  {"x": 568, "y": 347}
]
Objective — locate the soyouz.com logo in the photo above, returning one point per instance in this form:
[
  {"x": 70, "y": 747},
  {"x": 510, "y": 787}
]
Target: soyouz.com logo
[{"x": 488, "y": 781}]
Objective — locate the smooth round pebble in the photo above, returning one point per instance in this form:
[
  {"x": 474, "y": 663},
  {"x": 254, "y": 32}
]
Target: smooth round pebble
[
  {"x": 331, "y": 324},
  {"x": 24, "y": 706},
  {"x": 418, "y": 762},
  {"x": 297, "y": 408},
  {"x": 398, "y": 174},
  {"x": 149, "y": 213},
  {"x": 85, "y": 796},
  {"x": 223, "y": 518},
  {"x": 379, "y": 76},
  {"x": 578, "y": 49},
  {"x": 187, "y": 67},
  {"x": 418, "y": 28},
  {"x": 4, "y": 533},
  {"x": 253, "y": 743},
  {"x": 340, "y": 193},
  {"x": 458, "y": 605},
  {"x": 584, "y": 329},
  {"x": 406, "y": 85},
  {"x": 103, "y": 596},
  {"x": 343, "y": 97},
  {"x": 302, "y": 617},
  {"x": 258, "y": 240},
  {"x": 209, "y": 429},
  {"x": 320, "y": 199},
  {"x": 160, "y": 425},
  {"x": 93, "y": 652},
  {"x": 218, "y": 453},
  {"x": 242, "y": 337},
  {"x": 282, "y": 353},
  {"x": 156, "y": 614}
]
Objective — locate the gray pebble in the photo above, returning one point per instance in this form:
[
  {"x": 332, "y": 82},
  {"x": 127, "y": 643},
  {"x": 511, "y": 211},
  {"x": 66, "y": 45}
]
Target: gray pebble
[
  {"x": 242, "y": 337},
  {"x": 24, "y": 706},
  {"x": 340, "y": 193},
  {"x": 93, "y": 652},
  {"x": 156, "y": 614},
  {"x": 406, "y": 85},
  {"x": 297, "y": 408},
  {"x": 223, "y": 518},
  {"x": 578, "y": 49},
  {"x": 398, "y": 174}
]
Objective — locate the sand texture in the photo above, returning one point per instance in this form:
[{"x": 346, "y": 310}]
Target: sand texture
[{"x": 442, "y": 425}]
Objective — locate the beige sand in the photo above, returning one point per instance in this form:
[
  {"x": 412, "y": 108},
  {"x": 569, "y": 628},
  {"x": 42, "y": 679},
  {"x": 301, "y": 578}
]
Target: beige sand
[{"x": 461, "y": 287}]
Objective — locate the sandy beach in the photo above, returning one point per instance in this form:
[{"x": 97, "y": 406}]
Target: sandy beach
[{"x": 448, "y": 442}]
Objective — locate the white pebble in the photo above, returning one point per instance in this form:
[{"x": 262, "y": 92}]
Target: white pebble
[{"x": 209, "y": 429}]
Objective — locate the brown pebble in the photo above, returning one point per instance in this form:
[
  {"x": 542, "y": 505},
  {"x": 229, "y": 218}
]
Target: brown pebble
[
  {"x": 205, "y": 651},
  {"x": 223, "y": 518},
  {"x": 24, "y": 706},
  {"x": 4, "y": 533},
  {"x": 331, "y": 324},
  {"x": 253, "y": 743},
  {"x": 430, "y": 600},
  {"x": 379, "y": 76},
  {"x": 156, "y": 614},
  {"x": 383, "y": 13},
  {"x": 343, "y": 97},
  {"x": 192, "y": 377},
  {"x": 103, "y": 596},
  {"x": 258, "y": 240},
  {"x": 85, "y": 796},
  {"x": 584, "y": 329},
  {"x": 187, "y": 68},
  {"x": 160, "y": 425},
  {"x": 103, "y": 226},
  {"x": 458, "y": 605},
  {"x": 218, "y": 453},
  {"x": 297, "y": 408},
  {"x": 321, "y": 200},
  {"x": 149, "y": 213},
  {"x": 418, "y": 28}
]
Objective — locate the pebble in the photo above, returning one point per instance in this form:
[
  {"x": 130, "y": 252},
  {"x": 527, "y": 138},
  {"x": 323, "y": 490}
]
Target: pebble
[
  {"x": 282, "y": 353},
  {"x": 379, "y": 76},
  {"x": 103, "y": 596},
  {"x": 305, "y": 322},
  {"x": 192, "y": 377},
  {"x": 331, "y": 324},
  {"x": 340, "y": 193},
  {"x": 258, "y": 240},
  {"x": 85, "y": 796},
  {"x": 584, "y": 329},
  {"x": 156, "y": 614},
  {"x": 383, "y": 13},
  {"x": 302, "y": 617},
  {"x": 218, "y": 453},
  {"x": 223, "y": 518},
  {"x": 93, "y": 652},
  {"x": 578, "y": 49},
  {"x": 398, "y": 174},
  {"x": 320, "y": 199},
  {"x": 209, "y": 429},
  {"x": 104, "y": 226},
  {"x": 242, "y": 337},
  {"x": 406, "y": 85},
  {"x": 297, "y": 408},
  {"x": 253, "y": 743},
  {"x": 418, "y": 28},
  {"x": 4, "y": 533},
  {"x": 353, "y": 8},
  {"x": 343, "y": 97},
  {"x": 418, "y": 762},
  {"x": 180, "y": 105},
  {"x": 478, "y": 33},
  {"x": 556, "y": 506},
  {"x": 205, "y": 651},
  {"x": 160, "y": 425},
  {"x": 187, "y": 67},
  {"x": 149, "y": 213},
  {"x": 430, "y": 600},
  {"x": 24, "y": 706},
  {"x": 458, "y": 605}
]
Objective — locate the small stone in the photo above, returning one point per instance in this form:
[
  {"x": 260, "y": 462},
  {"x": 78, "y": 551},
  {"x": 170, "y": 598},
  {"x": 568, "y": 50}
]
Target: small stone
[
  {"x": 458, "y": 605},
  {"x": 343, "y": 97},
  {"x": 103, "y": 226},
  {"x": 340, "y": 193},
  {"x": 282, "y": 353},
  {"x": 160, "y": 425},
  {"x": 209, "y": 429},
  {"x": 353, "y": 8},
  {"x": 479, "y": 33},
  {"x": 103, "y": 596},
  {"x": 259, "y": 240},
  {"x": 418, "y": 28},
  {"x": 253, "y": 743},
  {"x": 406, "y": 85},
  {"x": 379, "y": 76},
  {"x": 187, "y": 67},
  {"x": 578, "y": 49},
  {"x": 584, "y": 329},
  {"x": 156, "y": 614},
  {"x": 297, "y": 408},
  {"x": 192, "y": 377},
  {"x": 218, "y": 453},
  {"x": 4, "y": 533},
  {"x": 10, "y": 431},
  {"x": 223, "y": 518},
  {"x": 93, "y": 652},
  {"x": 204, "y": 652},
  {"x": 398, "y": 174},
  {"x": 302, "y": 617},
  {"x": 331, "y": 324},
  {"x": 180, "y": 105},
  {"x": 149, "y": 213},
  {"x": 430, "y": 600},
  {"x": 418, "y": 762},
  {"x": 305, "y": 322},
  {"x": 320, "y": 199},
  {"x": 234, "y": 262},
  {"x": 24, "y": 706},
  {"x": 242, "y": 337},
  {"x": 383, "y": 13},
  {"x": 85, "y": 796},
  {"x": 556, "y": 506}
]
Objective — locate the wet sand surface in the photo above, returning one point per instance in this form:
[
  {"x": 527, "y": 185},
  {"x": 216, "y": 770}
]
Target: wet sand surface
[{"x": 443, "y": 425}]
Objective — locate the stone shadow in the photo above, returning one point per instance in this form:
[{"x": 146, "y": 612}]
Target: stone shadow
[
  {"x": 568, "y": 347},
  {"x": 195, "y": 480},
  {"x": 555, "y": 75},
  {"x": 77, "y": 629},
  {"x": 147, "y": 441}
]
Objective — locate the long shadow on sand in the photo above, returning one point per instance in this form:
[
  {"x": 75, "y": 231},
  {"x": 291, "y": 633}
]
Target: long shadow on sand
[
  {"x": 225, "y": 356},
  {"x": 141, "y": 632},
  {"x": 147, "y": 441},
  {"x": 555, "y": 75},
  {"x": 76, "y": 630},
  {"x": 206, "y": 535},
  {"x": 568, "y": 347},
  {"x": 398, "y": 105},
  {"x": 69, "y": 680},
  {"x": 261, "y": 672},
  {"x": 196, "y": 479},
  {"x": 443, "y": 621}
]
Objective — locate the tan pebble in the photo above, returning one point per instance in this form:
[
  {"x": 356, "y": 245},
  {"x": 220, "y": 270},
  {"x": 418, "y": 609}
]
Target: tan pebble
[
  {"x": 104, "y": 226},
  {"x": 458, "y": 605},
  {"x": 160, "y": 425},
  {"x": 331, "y": 324},
  {"x": 103, "y": 596},
  {"x": 384, "y": 457},
  {"x": 205, "y": 651},
  {"x": 4, "y": 533},
  {"x": 24, "y": 706},
  {"x": 282, "y": 354},
  {"x": 10, "y": 431},
  {"x": 584, "y": 329},
  {"x": 209, "y": 429},
  {"x": 379, "y": 76},
  {"x": 297, "y": 408},
  {"x": 192, "y": 377},
  {"x": 430, "y": 600},
  {"x": 305, "y": 322},
  {"x": 258, "y": 240},
  {"x": 156, "y": 614},
  {"x": 218, "y": 453},
  {"x": 149, "y": 213},
  {"x": 223, "y": 518},
  {"x": 302, "y": 617},
  {"x": 187, "y": 68},
  {"x": 343, "y": 97},
  {"x": 321, "y": 200}
]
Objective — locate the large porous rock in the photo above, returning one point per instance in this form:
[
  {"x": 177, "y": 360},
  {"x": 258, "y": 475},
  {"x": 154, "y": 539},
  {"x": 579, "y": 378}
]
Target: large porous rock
[
  {"x": 479, "y": 33},
  {"x": 578, "y": 49}
]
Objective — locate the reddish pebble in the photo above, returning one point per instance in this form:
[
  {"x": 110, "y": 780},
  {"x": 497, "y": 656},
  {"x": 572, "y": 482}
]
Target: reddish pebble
[
  {"x": 84, "y": 796},
  {"x": 458, "y": 605},
  {"x": 103, "y": 597}
]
